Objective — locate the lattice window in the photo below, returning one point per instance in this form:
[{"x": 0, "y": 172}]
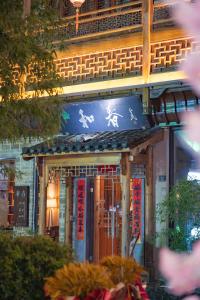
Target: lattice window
[
  {"x": 88, "y": 171},
  {"x": 138, "y": 170}
]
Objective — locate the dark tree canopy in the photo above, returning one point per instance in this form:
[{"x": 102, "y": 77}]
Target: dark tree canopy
[{"x": 27, "y": 64}]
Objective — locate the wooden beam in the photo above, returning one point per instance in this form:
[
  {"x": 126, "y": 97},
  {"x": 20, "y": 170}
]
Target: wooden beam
[
  {"x": 117, "y": 42},
  {"x": 156, "y": 138},
  {"x": 147, "y": 10},
  {"x": 140, "y": 159}
]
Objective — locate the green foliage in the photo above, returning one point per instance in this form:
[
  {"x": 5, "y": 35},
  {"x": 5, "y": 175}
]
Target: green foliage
[
  {"x": 25, "y": 262},
  {"x": 180, "y": 206},
  {"x": 10, "y": 172},
  {"x": 27, "y": 64}
]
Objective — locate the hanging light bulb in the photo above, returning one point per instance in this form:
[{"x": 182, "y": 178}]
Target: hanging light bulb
[{"x": 77, "y": 4}]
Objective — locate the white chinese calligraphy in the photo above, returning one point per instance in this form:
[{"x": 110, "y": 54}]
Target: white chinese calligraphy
[
  {"x": 112, "y": 117},
  {"x": 85, "y": 119},
  {"x": 133, "y": 117}
]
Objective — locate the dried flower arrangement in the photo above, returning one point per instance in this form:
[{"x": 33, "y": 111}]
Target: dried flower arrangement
[
  {"x": 78, "y": 279},
  {"x": 115, "y": 278}
]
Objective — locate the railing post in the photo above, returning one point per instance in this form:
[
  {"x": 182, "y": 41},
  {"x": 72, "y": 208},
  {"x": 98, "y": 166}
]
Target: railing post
[{"x": 147, "y": 13}]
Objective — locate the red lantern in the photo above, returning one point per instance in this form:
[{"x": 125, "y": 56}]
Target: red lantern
[{"x": 77, "y": 4}]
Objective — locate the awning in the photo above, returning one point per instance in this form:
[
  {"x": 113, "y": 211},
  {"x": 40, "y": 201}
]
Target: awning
[
  {"x": 115, "y": 141},
  {"x": 168, "y": 107}
]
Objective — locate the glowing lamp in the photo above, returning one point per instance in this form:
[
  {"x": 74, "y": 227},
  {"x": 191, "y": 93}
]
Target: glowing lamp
[
  {"x": 51, "y": 203},
  {"x": 51, "y": 190},
  {"x": 77, "y": 4}
]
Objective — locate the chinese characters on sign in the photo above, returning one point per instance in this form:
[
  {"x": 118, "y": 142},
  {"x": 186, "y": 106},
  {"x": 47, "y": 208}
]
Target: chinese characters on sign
[
  {"x": 136, "y": 196},
  {"x": 21, "y": 204},
  {"x": 112, "y": 117},
  {"x": 81, "y": 195},
  {"x": 85, "y": 119},
  {"x": 133, "y": 117},
  {"x": 103, "y": 115}
]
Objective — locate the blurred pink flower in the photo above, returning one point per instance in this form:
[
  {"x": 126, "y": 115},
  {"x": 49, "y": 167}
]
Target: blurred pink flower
[
  {"x": 192, "y": 298},
  {"x": 191, "y": 68},
  {"x": 191, "y": 121},
  {"x": 186, "y": 13},
  {"x": 181, "y": 270}
]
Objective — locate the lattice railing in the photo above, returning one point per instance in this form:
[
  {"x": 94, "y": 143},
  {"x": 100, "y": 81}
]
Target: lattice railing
[
  {"x": 113, "y": 19},
  {"x": 162, "y": 15}
]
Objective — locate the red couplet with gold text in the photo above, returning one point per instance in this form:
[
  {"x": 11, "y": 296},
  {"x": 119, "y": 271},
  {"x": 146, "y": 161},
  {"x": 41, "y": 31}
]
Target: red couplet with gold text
[
  {"x": 137, "y": 205},
  {"x": 81, "y": 198}
]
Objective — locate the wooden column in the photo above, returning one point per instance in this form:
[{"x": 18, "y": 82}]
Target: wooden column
[
  {"x": 146, "y": 100},
  {"x": 147, "y": 25},
  {"x": 42, "y": 198},
  {"x": 62, "y": 212},
  {"x": 125, "y": 185},
  {"x": 149, "y": 215},
  {"x": 68, "y": 210}
]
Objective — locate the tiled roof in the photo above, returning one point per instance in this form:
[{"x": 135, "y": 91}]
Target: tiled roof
[{"x": 98, "y": 142}]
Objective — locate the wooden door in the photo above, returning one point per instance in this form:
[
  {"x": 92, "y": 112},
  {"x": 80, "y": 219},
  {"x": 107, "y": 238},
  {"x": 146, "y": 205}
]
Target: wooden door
[{"x": 107, "y": 217}]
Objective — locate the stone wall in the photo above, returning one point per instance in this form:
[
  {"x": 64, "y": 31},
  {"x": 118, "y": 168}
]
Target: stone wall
[{"x": 13, "y": 151}]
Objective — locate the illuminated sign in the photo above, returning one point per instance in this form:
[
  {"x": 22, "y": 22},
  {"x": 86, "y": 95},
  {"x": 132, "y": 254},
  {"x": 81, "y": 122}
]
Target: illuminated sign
[{"x": 103, "y": 115}]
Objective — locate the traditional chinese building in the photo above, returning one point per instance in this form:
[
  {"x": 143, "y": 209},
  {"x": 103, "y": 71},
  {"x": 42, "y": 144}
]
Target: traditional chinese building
[{"x": 119, "y": 153}]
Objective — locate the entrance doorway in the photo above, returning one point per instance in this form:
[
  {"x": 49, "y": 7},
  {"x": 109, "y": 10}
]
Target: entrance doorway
[
  {"x": 107, "y": 217},
  {"x": 97, "y": 217}
]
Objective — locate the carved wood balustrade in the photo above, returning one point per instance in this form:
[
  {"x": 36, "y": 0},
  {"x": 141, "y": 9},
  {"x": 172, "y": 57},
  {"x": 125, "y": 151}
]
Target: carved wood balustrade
[{"x": 99, "y": 20}]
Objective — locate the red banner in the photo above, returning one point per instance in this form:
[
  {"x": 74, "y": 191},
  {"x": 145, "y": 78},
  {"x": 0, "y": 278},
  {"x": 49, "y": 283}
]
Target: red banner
[
  {"x": 105, "y": 169},
  {"x": 137, "y": 205},
  {"x": 81, "y": 197}
]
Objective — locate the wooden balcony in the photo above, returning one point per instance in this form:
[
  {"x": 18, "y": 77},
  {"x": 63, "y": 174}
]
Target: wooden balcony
[
  {"x": 132, "y": 44},
  {"x": 112, "y": 20}
]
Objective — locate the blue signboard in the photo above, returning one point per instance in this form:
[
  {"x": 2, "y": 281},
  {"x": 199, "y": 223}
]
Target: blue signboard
[{"x": 103, "y": 115}]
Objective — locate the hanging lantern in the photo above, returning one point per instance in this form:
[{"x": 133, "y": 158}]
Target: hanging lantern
[{"x": 77, "y": 4}]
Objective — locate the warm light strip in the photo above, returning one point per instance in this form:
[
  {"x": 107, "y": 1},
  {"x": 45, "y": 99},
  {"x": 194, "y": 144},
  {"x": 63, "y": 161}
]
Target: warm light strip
[
  {"x": 123, "y": 83},
  {"x": 117, "y": 84}
]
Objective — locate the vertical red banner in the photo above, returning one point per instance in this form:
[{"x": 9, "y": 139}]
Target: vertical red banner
[
  {"x": 137, "y": 205},
  {"x": 81, "y": 197}
]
